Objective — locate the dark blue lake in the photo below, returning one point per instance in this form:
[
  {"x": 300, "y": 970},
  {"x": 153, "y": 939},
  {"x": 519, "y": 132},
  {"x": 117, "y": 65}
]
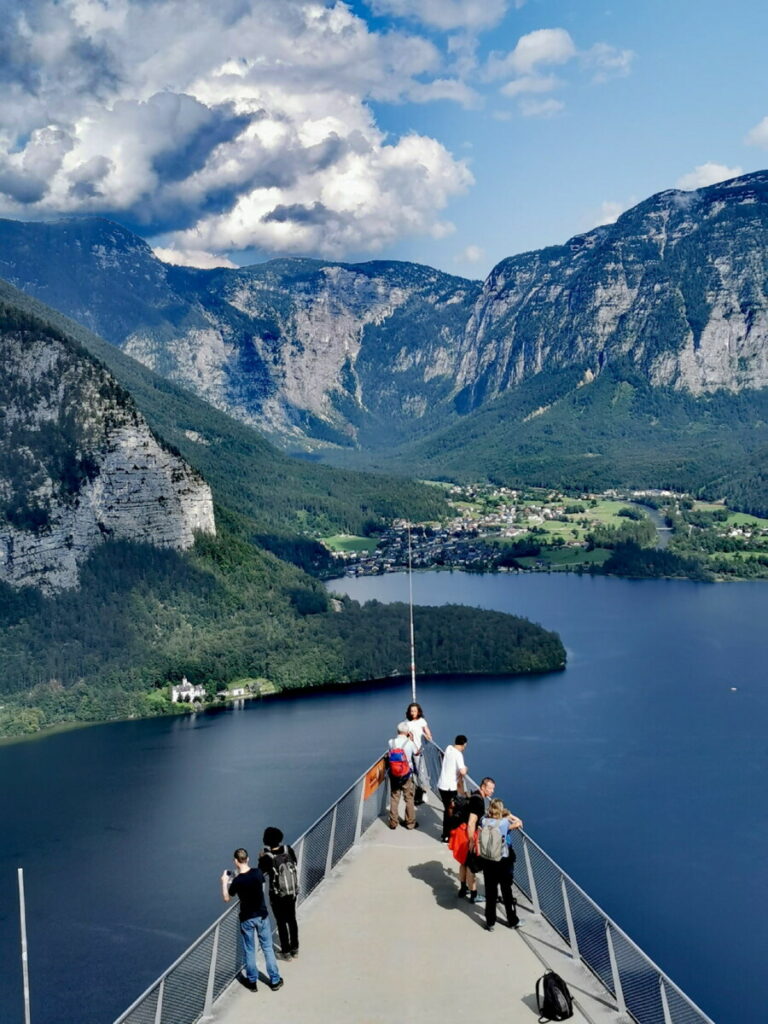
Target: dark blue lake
[{"x": 638, "y": 768}]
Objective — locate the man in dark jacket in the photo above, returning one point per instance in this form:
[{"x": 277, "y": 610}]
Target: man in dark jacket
[
  {"x": 278, "y": 862},
  {"x": 248, "y": 886}
]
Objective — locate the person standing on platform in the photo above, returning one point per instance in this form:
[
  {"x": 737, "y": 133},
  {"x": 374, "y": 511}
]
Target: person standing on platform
[
  {"x": 278, "y": 863},
  {"x": 476, "y": 813},
  {"x": 419, "y": 731},
  {"x": 451, "y": 776},
  {"x": 494, "y": 857},
  {"x": 402, "y": 751},
  {"x": 248, "y": 886}
]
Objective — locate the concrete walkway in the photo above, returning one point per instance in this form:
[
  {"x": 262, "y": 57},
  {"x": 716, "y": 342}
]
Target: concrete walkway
[{"x": 385, "y": 939}]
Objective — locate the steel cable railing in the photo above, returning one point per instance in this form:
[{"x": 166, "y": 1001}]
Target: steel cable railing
[
  {"x": 187, "y": 990},
  {"x": 638, "y": 985}
]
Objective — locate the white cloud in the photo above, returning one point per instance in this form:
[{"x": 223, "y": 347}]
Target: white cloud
[
  {"x": 609, "y": 213},
  {"x": 528, "y": 84},
  {"x": 447, "y": 15},
  {"x": 608, "y": 62},
  {"x": 540, "y": 108},
  {"x": 471, "y": 254},
  {"x": 707, "y": 174},
  {"x": 193, "y": 258},
  {"x": 222, "y": 126},
  {"x": 758, "y": 136},
  {"x": 542, "y": 47}
]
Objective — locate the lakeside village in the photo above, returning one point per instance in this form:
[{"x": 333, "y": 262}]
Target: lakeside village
[{"x": 539, "y": 530}]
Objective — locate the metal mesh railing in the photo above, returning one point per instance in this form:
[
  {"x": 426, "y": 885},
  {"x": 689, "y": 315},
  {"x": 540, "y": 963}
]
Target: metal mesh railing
[
  {"x": 639, "y": 986},
  {"x": 187, "y": 990}
]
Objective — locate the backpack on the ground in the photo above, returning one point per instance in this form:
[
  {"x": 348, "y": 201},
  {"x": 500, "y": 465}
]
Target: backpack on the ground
[
  {"x": 553, "y": 998},
  {"x": 283, "y": 876},
  {"x": 399, "y": 766},
  {"x": 491, "y": 843}
]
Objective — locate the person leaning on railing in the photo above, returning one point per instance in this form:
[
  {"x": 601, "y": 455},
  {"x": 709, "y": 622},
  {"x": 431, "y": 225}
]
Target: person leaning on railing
[
  {"x": 495, "y": 868},
  {"x": 451, "y": 777}
]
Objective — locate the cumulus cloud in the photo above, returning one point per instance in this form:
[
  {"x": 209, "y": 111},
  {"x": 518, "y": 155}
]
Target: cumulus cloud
[
  {"x": 758, "y": 136},
  {"x": 447, "y": 15},
  {"x": 223, "y": 126},
  {"x": 524, "y": 67},
  {"x": 707, "y": 174},
  {"x": 542, "y": 47}
]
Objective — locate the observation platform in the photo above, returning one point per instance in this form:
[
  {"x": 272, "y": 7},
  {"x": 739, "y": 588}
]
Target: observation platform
[{"x": 385, "y": 937}]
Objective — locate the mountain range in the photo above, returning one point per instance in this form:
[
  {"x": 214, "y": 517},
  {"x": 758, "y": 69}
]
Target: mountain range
[{"x": 618, "y": 358}]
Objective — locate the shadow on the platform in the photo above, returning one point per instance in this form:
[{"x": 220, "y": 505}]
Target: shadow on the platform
[{"x": 445, "y": 886}]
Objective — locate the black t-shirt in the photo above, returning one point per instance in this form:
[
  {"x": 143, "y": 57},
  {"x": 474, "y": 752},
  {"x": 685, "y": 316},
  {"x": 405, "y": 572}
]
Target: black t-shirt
[
  {"x": 249, "y": 887},
  {"x": 477, "y": 806}
]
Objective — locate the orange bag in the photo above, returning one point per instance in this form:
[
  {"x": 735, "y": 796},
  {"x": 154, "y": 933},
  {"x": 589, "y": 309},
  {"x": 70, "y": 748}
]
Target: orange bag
[{"x": 458, "y": 843}]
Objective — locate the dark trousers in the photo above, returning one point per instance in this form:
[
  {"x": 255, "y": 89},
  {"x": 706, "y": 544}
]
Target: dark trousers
[
  {"x": 498, "y": 876},
  {"x": 284, "y": 909},
  {"x": 446, "y": 795}
]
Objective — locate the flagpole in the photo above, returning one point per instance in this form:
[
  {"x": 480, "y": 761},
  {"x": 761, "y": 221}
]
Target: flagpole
[
  {"x": 410, "y": 617},
  {"x": 24, "y": 957}
]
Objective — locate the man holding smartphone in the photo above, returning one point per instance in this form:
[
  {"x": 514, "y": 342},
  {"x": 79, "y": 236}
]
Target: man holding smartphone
[{"x": 248, "y": 885}]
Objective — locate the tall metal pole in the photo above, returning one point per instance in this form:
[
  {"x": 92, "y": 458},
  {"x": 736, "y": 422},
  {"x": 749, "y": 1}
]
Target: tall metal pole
[
  {"x": 410, "y": 616},
  {"x": 24, "y": 958}
]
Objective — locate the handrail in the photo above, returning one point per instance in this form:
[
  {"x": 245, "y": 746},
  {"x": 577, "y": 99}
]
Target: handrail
[
  {"x": 152, "y": 999},
  {"x": 643, "y": 988},
  {"x": 190, "y": 986}
]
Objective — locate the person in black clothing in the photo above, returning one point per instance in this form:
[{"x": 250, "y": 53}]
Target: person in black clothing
[
  {"x": 275, "y": 861},
  {"x": 248, "y": 885},
  {"x": 476, "y": 813}
]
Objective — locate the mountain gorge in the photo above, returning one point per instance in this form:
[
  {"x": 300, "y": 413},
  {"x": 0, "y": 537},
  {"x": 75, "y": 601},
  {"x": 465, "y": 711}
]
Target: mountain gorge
[{"x": 374, "y": 362}]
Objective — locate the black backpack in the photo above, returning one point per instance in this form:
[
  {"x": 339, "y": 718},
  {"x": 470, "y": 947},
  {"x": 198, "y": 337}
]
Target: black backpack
[
  {"x": 553, "y": 998},
  {"x": 283, "y": 877}
]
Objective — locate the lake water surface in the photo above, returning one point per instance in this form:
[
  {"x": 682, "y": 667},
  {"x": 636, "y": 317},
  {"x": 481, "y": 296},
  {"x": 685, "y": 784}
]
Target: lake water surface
[{"x": 638, "y": 768}]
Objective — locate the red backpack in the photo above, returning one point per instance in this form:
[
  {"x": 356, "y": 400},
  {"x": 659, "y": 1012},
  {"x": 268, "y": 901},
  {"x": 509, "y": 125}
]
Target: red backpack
[{"x": 399, "y": 767}]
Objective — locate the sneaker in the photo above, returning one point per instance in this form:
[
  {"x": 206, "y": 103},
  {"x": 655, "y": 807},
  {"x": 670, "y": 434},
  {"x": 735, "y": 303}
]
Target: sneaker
[
  {"x": 294, "y": 953},
  {"x": 444, "y": 839},
  {"x": 276, "y": 985},
  {"x": 489, "y": 927},
  {"x": 250, "y": 985}
]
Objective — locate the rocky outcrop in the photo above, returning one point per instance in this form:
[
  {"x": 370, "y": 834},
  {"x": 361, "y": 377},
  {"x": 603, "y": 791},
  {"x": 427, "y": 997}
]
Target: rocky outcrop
[
  {"x": 78, "y": 464},
  {"x": 676, "y": 286}
]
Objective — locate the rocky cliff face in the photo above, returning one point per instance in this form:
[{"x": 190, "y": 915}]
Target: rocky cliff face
[
  {"x": 373, "y": 353},
  {"x": 676, "y": 286},
  {"x": 78, "y": 464}
]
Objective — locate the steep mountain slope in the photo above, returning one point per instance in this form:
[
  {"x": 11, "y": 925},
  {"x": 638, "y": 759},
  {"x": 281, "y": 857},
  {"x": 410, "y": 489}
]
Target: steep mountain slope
[
  {"x": 78, "y": 463},
  {"x": 335, "y": 352},
  {"x": 75, "y": 446},
  {"x": 676, "y": 287}
]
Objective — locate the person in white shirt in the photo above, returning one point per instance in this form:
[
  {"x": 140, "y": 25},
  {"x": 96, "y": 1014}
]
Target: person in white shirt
[
  {"x": 419, "y": 731},
  {"x": 452, "y": 772},
  {"x": 401, "y": 778}
]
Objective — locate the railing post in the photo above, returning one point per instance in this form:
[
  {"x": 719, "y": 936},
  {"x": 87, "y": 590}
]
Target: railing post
[
  {"x": 211, "y": 974},
  {"x": 159, "y": 1007},
  {"x": 331, "y": 841},
  {"x": 531, "y": 878},
  {"x": 664, "y": 1001},
  {"x": 299, "y": 862},
  {"x": 569, "y": 918},
  {"x": 360, "y": 806},
  {"x": 617, "y": 989}
]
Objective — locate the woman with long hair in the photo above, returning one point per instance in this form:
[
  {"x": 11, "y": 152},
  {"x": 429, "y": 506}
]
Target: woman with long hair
[{"x": 419, "y": 731}]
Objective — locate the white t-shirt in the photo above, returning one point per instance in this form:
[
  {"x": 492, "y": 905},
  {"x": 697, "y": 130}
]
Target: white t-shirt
[
  {"x": 417, "y": 727},
  {"x": 453, "y": 762}
]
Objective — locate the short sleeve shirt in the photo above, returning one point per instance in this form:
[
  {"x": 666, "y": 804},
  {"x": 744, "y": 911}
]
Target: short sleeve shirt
[
  {"x": 249, "y": 888},
  {"x": 453, "y": 762}
]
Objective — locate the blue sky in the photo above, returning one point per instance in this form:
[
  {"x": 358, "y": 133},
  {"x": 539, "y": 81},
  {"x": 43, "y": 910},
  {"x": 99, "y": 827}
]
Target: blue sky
[{"x": 448, "y": 132}]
